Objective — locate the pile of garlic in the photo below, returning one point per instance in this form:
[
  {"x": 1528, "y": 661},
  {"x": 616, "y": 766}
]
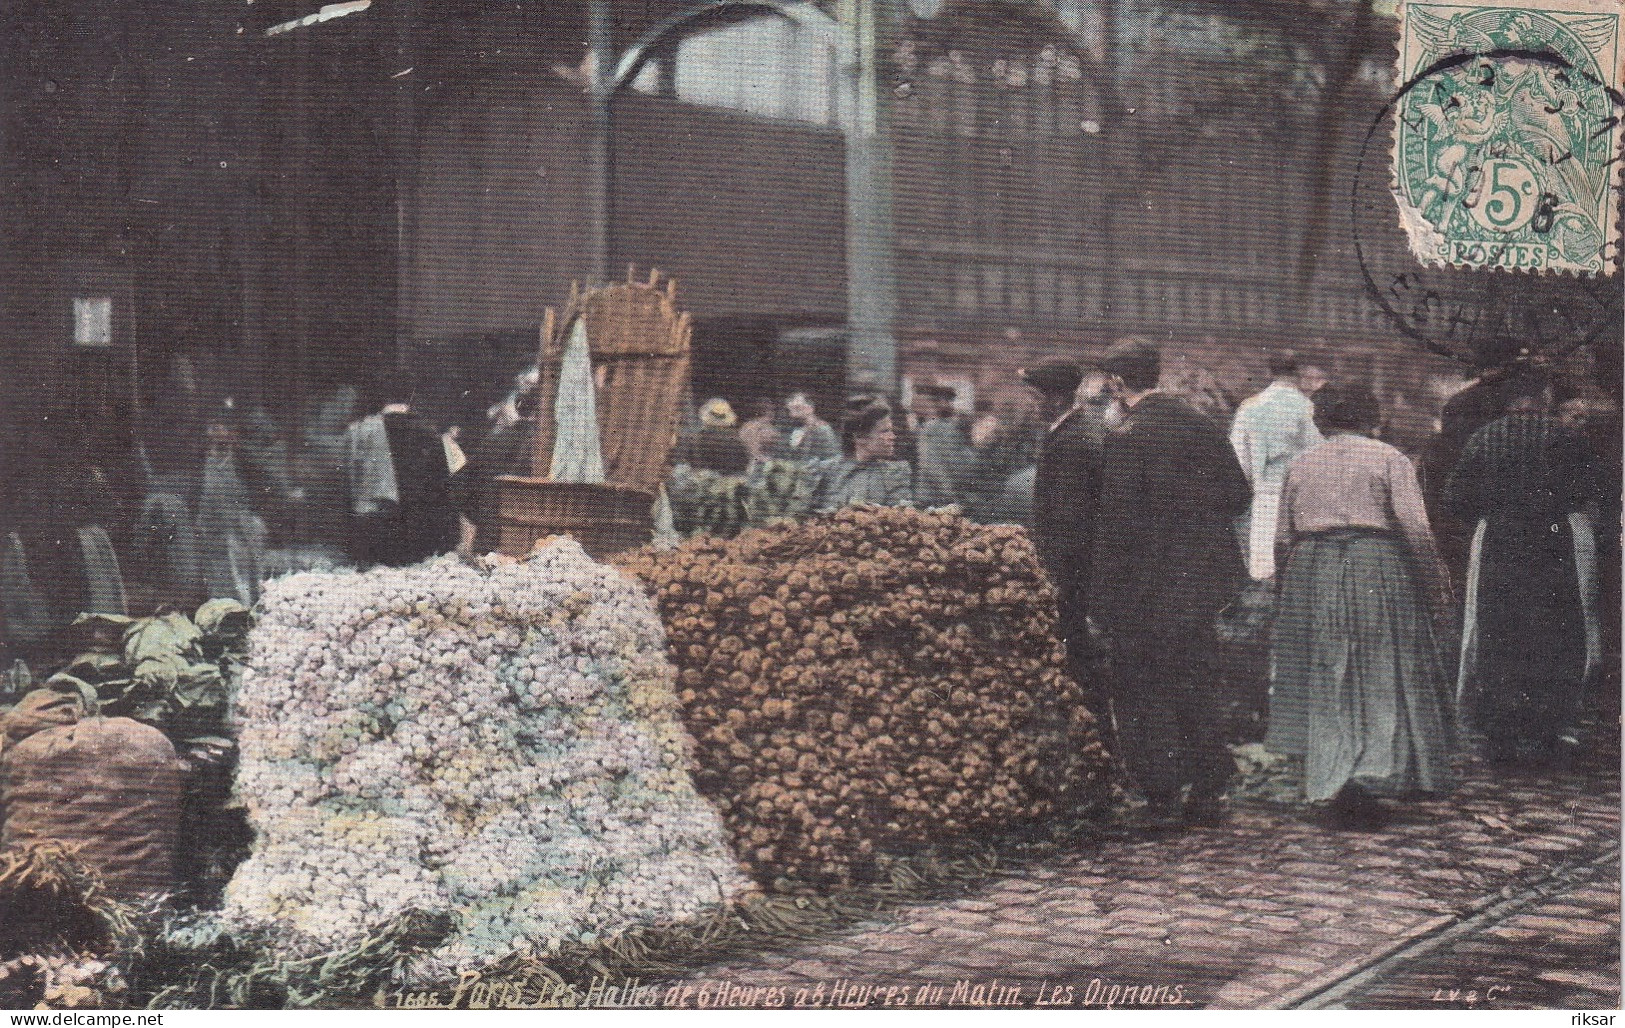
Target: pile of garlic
[{"x": 498, "y": 743}]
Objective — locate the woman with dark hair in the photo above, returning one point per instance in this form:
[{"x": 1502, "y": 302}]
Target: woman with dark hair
[
  {"x": 865, "y": 472},
  {"x": 1360, "y": 688}
]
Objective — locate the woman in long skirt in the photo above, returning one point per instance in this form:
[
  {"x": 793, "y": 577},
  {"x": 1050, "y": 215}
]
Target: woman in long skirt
[{"x": 1359, "y": 685}]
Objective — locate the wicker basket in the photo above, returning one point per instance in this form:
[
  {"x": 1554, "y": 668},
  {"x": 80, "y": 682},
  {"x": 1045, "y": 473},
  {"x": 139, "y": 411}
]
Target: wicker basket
[
  {"x": 604, "y": 519},
  {"x": 639, "y": 344}
]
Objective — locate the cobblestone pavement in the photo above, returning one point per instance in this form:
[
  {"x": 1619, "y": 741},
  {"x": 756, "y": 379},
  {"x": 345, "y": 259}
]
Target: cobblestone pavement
[
  {"x": 1560, "y": 952},
  {"x": 1270, "y": 910}
]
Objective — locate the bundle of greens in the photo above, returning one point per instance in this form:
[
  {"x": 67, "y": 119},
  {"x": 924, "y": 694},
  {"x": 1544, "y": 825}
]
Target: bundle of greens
[{"x": 169, "y": 671}]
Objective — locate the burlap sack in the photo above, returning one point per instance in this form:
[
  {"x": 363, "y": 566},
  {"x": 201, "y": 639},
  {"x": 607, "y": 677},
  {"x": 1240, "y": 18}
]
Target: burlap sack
[
  {"x": 109, "y": 788},
  {"x": 37, "y": 711}
]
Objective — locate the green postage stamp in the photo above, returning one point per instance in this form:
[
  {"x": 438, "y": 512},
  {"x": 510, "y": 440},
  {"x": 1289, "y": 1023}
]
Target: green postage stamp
[{"x": 1507, "y": 133}]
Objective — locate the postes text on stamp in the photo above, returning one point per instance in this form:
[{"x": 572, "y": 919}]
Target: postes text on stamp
[{"x": 1507, "y": 136}]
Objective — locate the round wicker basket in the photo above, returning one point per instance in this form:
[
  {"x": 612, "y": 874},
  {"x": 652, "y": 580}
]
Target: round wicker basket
[{"x": 604, "y": 519}]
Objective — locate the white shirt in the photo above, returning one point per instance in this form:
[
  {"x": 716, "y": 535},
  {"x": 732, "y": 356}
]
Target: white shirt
[{"x": 1271, "y": 429}]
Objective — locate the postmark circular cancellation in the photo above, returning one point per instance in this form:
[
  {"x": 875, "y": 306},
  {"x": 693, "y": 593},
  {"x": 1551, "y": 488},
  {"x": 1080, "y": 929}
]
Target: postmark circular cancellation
[
  {"x": 1506, "y": 142},
  {"x": 1505, "y": 158}
]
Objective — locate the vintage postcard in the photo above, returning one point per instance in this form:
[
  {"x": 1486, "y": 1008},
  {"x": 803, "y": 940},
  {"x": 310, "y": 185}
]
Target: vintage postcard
[{"x": 725, "y": 505}]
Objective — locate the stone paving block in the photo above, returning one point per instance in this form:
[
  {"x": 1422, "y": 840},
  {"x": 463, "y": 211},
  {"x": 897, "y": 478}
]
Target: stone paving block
[
  {"x": 1332, "y": 895},
  {"x": 1544, "y": 845},
  {"x": 1026, "y": 915},
  {"x": 1136, "y": 943},
  {"x": 963, "y": 918},
  {"x": 1074, "y": 955},
  {"x": 1022, "y": 950},
  {"x": 1320, "y": 917},
  {"x": 832, "y": 951},
  {"x": 1584, "y": 979},
  {"x": 1147, "y": 888},
  {"x": 1296, "y": 965},
  {"x": 1505, "y": 865},
  {"x": 1085, "y": 925},
  {"x": 1569, "y": 839},
  {"x": 1589, "y": 906},
  {"x": 1560, "y": 927},
  {"x": 1328, "y": 953},
  {"x": 1569, "y": 910},
  {"x": 1209, "y": 942},
  {"x": 1395, "y": 898},
  {"x": 1274, "y": 981},
  {"x": 1072, "y": 905},
  {"x": 1138, "y": 931},
  {"x": 938, "y": 973},
  {"x": 1310, "y": 869},
  {"x": 1236, "y": 995},
  {"x": 1144, "y": 916},
  {"x": 983, "y": 959},
  {"x": 1017, "y": 885},
  {"x": 1197, "y": 924},
  {"x": 1442, "y": 874},
  {"x": 1271, "y": 921},
  {"x": 1021, "y": 930}
]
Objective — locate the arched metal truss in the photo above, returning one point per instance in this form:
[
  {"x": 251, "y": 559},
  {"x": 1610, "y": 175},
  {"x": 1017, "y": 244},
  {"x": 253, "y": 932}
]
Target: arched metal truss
[{"x": 638, "y": 54}]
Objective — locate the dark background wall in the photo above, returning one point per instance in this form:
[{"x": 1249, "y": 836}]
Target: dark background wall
[{"x": 403, "y": 191}]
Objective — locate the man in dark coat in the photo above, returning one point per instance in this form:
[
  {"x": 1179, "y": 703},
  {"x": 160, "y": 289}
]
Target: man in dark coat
[
  {"x": 1477, "y": 404},
  {"x": 1065, "y": 489},
  {"x": 1523, "y": 481},
  {"x": 400, "y": 485},
  {"x": 1165, "y": 562}
]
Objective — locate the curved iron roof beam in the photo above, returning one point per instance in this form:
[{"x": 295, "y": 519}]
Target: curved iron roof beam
[{"x": 638, "y": 54}]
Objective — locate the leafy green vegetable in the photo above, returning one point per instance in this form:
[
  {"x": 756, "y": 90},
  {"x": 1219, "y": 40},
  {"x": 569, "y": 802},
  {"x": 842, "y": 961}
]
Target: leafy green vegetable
[
  {"x": 170, "y": 671},
  {"x": 64, "y": 682},
  {"x": 223, "y": 617},
  {"x": 118, "y": 621}
]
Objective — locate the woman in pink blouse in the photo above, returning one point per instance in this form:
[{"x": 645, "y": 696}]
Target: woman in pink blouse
[{"x": 1359, "y": 685}]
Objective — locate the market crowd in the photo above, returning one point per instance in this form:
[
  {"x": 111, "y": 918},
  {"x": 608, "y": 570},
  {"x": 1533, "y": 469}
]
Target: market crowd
[
  {"x": 1307, "y": 532},
  {"x": 1405, "y": 601}
]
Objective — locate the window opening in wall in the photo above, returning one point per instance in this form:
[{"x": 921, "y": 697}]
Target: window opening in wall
[
  {"x": 93, "y": 321},
  {"x": 766, "y": 64}
]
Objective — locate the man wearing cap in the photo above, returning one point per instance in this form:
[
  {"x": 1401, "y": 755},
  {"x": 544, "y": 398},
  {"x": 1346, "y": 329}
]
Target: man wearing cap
[
  {"x": 945, "y": 454},
  {"x": 1165, "y": 561},
  {"x": 1065, "y": 489},
  {"x": 716, "y": 446}
]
